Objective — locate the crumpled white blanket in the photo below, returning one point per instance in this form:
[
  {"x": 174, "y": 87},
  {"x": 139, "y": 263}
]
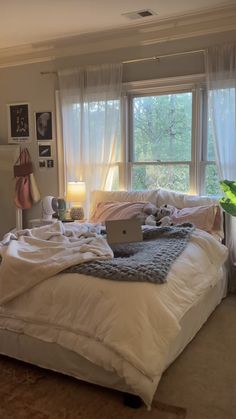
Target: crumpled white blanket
[{"x": 28, "y": 257}]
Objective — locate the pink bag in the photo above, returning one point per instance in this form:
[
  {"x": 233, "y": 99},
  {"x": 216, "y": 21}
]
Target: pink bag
[
  {"x": 23, "y": 198},
  {"x": 23, "y": 166}
]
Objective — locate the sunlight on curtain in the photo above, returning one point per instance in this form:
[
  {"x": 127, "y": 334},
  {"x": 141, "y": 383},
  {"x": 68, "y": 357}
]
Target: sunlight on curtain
[
  {"x": 90, "y": 101},
  {"x": 221, "y": 83}
]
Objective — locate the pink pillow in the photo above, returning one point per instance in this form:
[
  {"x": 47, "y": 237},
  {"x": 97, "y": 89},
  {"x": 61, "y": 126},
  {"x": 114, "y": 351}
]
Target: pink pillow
[
  {"x": 122, "y": 210},
  {"x": 203, "y": 217}
]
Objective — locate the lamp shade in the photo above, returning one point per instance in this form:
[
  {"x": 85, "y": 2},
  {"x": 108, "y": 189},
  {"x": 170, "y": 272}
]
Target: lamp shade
[{"x": 75, "y": 192}]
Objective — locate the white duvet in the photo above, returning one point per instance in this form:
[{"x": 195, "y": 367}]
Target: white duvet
[
  {"x": 45, "y": 251},
  {"x": 120, "y": 326}
]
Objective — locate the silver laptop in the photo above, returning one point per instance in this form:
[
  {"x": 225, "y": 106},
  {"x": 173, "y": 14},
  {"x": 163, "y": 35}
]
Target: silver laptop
[{"x": 123, "y": 231}]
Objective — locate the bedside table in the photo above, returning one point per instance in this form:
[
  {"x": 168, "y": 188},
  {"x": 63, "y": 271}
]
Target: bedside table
[
  {"x": 39, "y": 222},
  {"x": 70, "y": 220}
]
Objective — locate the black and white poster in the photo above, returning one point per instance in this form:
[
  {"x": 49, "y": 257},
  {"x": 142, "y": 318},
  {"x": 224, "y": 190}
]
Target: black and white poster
[
  {"x": 43, "y": 126},
  {"x": 18, "y": 123}
]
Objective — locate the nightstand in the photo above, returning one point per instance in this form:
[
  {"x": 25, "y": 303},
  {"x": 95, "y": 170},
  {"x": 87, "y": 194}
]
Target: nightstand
[
  {"x": 39, "y": 222},
  {"x": 70, "y": 220}
]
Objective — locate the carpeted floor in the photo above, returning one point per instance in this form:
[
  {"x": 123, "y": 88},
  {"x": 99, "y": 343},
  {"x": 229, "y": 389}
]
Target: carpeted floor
[
  {"x": 28, "y": 392},
  {"x": 200, "y": 384},
  {"x": 203, "y": 378}
]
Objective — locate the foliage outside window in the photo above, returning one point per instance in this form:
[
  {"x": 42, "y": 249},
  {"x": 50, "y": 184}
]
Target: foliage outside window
[
  {"x": 163, "y": 144},
  {"x": 161, "y": 135}
]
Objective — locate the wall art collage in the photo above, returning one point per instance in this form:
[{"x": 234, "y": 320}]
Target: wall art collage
[{"x": 20, "y": 131}]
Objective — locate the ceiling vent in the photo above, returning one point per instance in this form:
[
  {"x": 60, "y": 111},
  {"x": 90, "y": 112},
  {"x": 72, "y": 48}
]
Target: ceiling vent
[{"x": 140, "y": 14}]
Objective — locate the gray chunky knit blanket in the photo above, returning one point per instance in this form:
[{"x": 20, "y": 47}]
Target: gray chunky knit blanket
[{"x": 147, "y": 261}]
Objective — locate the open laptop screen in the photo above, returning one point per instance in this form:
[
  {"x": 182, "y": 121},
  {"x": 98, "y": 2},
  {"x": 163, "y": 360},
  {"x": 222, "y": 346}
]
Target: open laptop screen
[{"x": 123, "y": 231}]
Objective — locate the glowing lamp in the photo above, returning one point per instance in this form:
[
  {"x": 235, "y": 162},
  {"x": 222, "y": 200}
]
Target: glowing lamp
[{"x": 76, "y": 194}]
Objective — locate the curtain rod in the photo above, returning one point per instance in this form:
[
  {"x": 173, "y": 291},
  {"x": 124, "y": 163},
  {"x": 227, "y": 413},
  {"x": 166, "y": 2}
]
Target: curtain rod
[
  {"x": 157, "y": 57},
  {"x": 154, "y": 58}
]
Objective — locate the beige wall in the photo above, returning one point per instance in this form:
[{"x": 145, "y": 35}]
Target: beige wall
[
  {"x": 26, "y": 84},
  {"x": 8, "y": 155}
]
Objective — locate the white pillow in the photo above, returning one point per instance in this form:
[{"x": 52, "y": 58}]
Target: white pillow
[
  {"x": 121, "y": 196},
  {"x": 165, "y": 196},
  {"x": 182, "y": 200}
]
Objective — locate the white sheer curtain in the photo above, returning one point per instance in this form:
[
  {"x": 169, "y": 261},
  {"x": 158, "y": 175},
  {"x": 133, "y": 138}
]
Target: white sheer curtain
[
  {"x": 221, "y": 83},
  {"x": 90, "y": 104}
]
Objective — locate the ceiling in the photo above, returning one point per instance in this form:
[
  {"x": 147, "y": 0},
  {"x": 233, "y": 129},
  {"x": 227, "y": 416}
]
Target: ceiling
[{"x": 26, "y": 22}]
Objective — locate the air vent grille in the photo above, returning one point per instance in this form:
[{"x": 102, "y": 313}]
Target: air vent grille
[
  {"x": 140, "y": 14},
  {"x": 145, "y": 13}
]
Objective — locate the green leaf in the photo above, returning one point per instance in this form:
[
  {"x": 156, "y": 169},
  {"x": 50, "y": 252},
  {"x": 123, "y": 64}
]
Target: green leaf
[
  {"x": 229, "y": 203},
  {"x": 228, "y": 206},
  {"x": 229, "y": 188}
]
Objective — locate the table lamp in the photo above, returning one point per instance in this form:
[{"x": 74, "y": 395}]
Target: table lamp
[{"x": 76, "y": 197}]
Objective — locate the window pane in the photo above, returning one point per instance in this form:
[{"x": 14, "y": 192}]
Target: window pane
[
  {"x": 112, "y": 182},
  {"x": 210, "y": 144},
  {"x": 162, "y": 127},
  {"x": 100, "y": 121},
  {"x": 212, "y": 186},
  {"x": 174, "y": 177}
]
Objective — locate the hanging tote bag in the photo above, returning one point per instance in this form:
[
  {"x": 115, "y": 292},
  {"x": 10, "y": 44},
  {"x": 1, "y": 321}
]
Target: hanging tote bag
[
  {"x": 23, "y": 165},
  {"x": 34, "y": 190},
  {"x": 23, "y": 198},
  {"x": 22, "y": 170}
]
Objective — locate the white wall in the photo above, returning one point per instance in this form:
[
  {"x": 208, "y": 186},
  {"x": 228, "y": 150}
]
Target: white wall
[{"x": 26, "y": 84}]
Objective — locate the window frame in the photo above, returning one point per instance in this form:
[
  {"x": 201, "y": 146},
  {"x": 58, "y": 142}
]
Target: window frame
[{"x": 195, "y": 84}]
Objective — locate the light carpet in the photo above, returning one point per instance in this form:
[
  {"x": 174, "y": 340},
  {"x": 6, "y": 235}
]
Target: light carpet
[
  {"x": 203, "y": 378},
  {"x": 28, "y": 392}
]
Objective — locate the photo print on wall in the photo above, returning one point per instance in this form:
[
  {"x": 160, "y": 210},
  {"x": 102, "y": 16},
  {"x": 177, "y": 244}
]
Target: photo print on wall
[
  {"x": 50, "y": 164},
  {"x": 18, "y": 123},
  {"x": 43, "y": 126},
  {"x": 42, "y": 163},
  {"x": 44, "y": 150}
]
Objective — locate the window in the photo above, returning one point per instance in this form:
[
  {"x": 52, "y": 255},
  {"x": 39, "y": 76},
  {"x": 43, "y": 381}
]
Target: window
[
  {"x": 93, "y": 122},
  {"x": 161, "y": 141},
  {"x": 170, "y": 141},
  {"x": 209, "y": 176}
]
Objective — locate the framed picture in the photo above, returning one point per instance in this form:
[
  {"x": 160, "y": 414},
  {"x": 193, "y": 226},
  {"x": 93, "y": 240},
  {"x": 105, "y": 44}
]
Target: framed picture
[
  {"x": 44, "y": 150},
  {"x": 50, "y": 163},
  {"x": 43, "y": 126},
  {"x": 42, "y": 163},
  {"x": 18, "y": 123}
]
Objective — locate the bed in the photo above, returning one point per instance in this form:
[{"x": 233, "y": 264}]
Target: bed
[{"x": 118, "y": 334}]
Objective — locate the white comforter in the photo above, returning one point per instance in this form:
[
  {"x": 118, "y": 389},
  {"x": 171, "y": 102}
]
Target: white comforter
[
  {"x": 45, "y": 251},
  {"x": 123, "y": 327}
]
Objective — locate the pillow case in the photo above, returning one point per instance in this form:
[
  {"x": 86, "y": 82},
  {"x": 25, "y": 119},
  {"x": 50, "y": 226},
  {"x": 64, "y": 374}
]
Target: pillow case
[
  {"x": 182, "y": 200},
  {"x": 122, "y": 196},
  {"x": 122, "y": 210},
  {"x": 203, "y": 217}
]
